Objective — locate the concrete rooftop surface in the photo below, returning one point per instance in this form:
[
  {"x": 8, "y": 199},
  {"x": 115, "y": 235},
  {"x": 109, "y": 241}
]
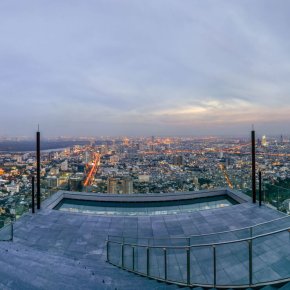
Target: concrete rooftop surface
[{"x": 61, "y": 250}]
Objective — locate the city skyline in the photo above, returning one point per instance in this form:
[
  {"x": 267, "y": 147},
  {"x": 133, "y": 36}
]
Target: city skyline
[
  {"x": 102, "y": 138},
  {"x": 162, "y": 68}
]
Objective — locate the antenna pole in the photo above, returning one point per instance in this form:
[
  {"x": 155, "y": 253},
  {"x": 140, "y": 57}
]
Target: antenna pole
[
  {"x": 253, "y": 166},
  {"x": 38, "y": 168}
]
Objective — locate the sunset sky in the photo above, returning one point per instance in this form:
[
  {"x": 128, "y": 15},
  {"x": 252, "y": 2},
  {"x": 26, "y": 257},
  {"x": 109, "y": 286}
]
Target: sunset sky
[{"x": 154, "y": 67}]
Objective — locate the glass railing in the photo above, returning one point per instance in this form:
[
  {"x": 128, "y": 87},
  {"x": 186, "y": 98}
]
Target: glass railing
[
  {"x": 253, "y": 261},
  {"x": 18, "y": 206},
  {"x": 277, "y": 197},
  {"x": 6, "y": 232},
  {"x": 241, "y": 233}
]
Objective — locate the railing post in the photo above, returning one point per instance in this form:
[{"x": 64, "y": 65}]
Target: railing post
[
  {"x": 33, "y": 195},
  {"x": 214, "y": 265},
  {"x": 253, "y": 167},
  {"x": 133, "y": 256},
  {"x": 250, "y": 262},
  {"x": 260, "y": 188},
  {"x": 122, "y": 255},
  {"x": 188, "y": 242},
  {"x": 165, "y": 263},
  {"x": 38, "y": 169},
  {"x": 107, "y": 250},
  {"x": 148, "y": 262},
  {"x": 251, "y": 232},
  {"x": 188, "y": 265},
  {"x": 12, "y": 229}
]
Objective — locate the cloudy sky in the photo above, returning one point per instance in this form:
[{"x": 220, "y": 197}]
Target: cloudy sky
[{"x": 136, "y": 67}]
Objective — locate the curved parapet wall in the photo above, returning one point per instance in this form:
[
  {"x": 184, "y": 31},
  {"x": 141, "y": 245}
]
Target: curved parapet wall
[{"x": 54, "y": 200}]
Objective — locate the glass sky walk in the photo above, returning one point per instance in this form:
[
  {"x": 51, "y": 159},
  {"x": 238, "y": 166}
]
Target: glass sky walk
[{"x": 144, "y": 208}]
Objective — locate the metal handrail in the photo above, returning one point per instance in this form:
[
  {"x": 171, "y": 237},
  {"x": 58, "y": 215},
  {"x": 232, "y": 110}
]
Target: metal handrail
[
  {"x": 201, "y": 245},
  {"x": 201, "y": 235},
  {"x": 279, "y": 186},
  {"x": 188, "y": 266}
]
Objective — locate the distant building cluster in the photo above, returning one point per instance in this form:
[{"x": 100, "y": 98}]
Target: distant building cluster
[{"x": 141, "y": 165}]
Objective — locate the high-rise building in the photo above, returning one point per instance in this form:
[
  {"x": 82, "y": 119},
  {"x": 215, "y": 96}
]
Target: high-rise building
[
  {"x": 126, "y": 141},
  {"x": 112, "y": 185},
  {"x": 88, "y": 157},
  {"x": 64, "y": 166},
  {"x": 281, "y": 140},
  {"x": 18, "y": 158},
  {"x": 178, "y": 160},
  {"x": 75, "y": 183},
  {"x": 120, "y": 185},
  {"x": 62, "y": 181},
  {"x": 196, "y": 182},
  {"x": 127, "y": 183},
  {"x": 264, "y": 141},
  {"x": 52, "y": 181},
  {"x": 104, "y": 149}
]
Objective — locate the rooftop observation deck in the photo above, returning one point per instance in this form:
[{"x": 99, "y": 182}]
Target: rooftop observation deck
[{"x": 61, "y": 250}]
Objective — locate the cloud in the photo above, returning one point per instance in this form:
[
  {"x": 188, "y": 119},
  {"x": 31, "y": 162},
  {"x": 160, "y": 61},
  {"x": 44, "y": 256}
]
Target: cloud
[{"x": 125, "y": 67}]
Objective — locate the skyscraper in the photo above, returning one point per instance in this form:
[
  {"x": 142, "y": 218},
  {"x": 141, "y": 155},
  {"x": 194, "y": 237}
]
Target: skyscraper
[
  {"x": 281, "y": 140},
  {"x": 75, "y": 183},
  {"x": 120, "y": 185},
  {"x": 127, "y": 183},
  {"x": 178, "y": 160},
  {"x": 112, "y": 185},
  {"x": 264, "y": 141}
]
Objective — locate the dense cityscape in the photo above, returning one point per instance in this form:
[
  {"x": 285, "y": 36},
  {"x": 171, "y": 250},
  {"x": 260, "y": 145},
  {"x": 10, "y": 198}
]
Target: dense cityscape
[{"x": 145, "y": 165}]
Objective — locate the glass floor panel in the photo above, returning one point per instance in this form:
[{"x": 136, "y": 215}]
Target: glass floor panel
[{"x": 144, "y": 208}]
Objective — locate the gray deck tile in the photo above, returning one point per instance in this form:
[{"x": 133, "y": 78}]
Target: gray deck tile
[{"x": 68, "y": 248}]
